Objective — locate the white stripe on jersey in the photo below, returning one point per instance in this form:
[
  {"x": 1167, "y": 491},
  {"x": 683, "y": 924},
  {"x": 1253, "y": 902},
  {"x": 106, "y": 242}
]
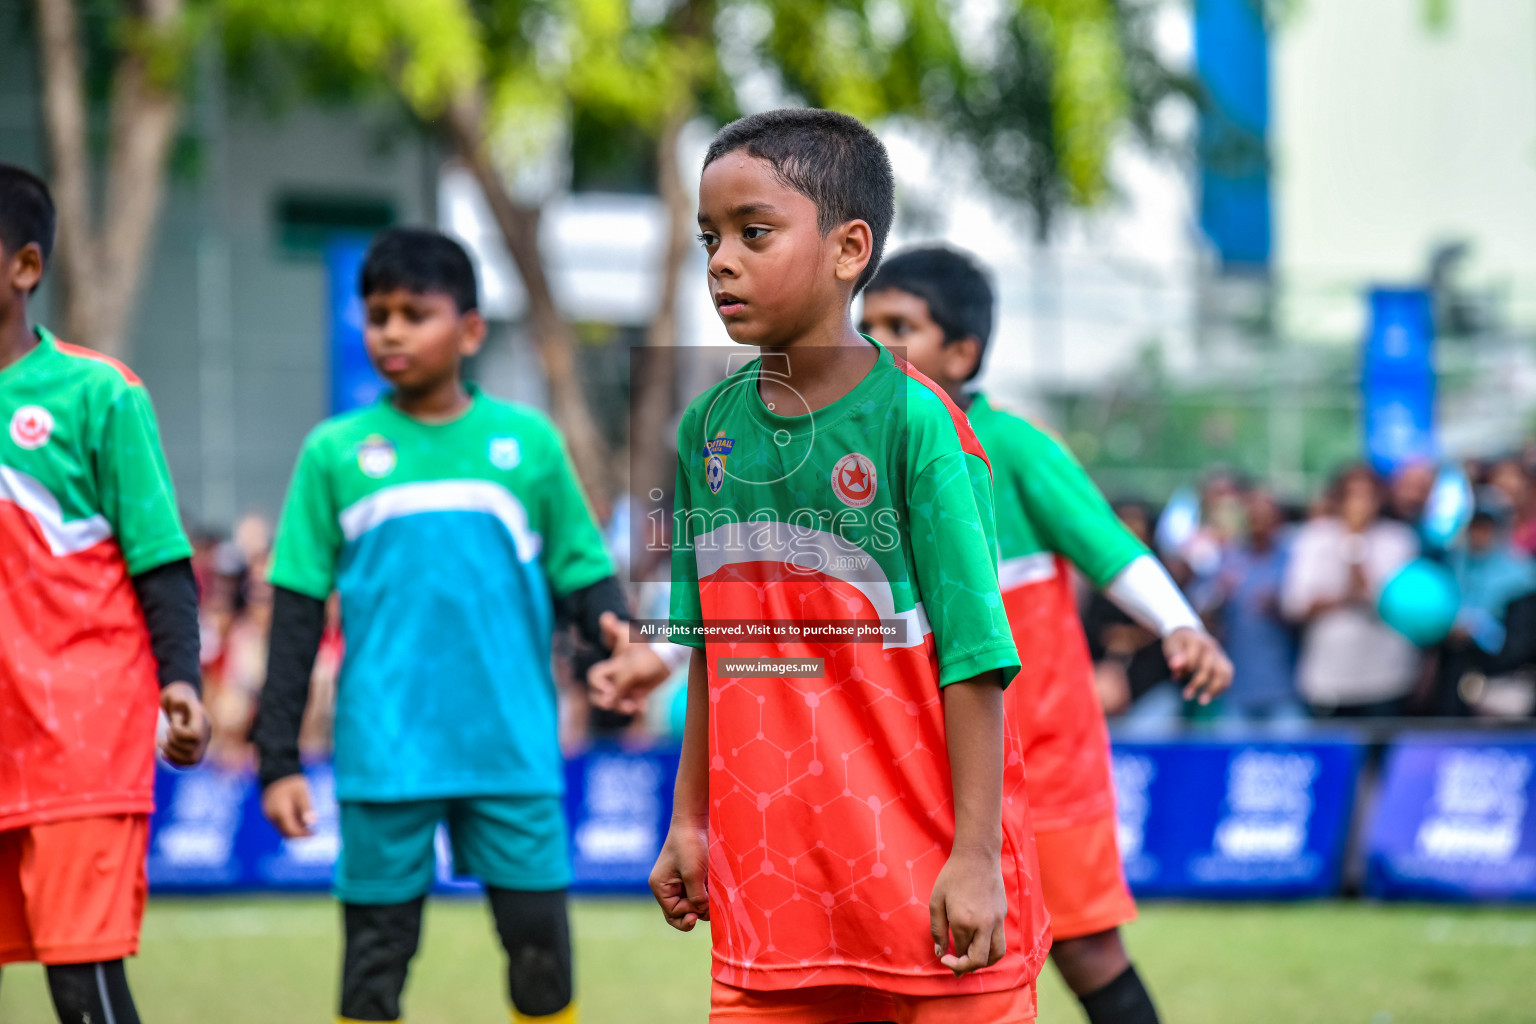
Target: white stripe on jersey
[
  {"x": 403, "y": 500},
  {"x": 64, "y": 538}
]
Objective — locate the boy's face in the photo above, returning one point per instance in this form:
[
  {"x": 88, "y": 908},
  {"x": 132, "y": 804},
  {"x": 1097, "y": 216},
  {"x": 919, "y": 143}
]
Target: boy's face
[
  {"x": 773, "y": 276},
  {"x": 418, "y": 339},
  {"x": 901, "y": 320}
]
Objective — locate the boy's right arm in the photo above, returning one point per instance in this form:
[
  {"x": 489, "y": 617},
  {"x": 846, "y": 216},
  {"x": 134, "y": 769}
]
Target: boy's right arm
[
  {"x": 303, "y": 573},
  {"x": 298, "y": 623},
  {"x": 679, "y": 879}
]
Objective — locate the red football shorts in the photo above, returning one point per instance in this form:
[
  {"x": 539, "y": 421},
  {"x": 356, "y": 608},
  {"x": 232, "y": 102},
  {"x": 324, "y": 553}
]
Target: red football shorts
[
  {"x": 72, "y": 892},
  {"x": 853, "y": 1004},
  {"x": 1081, "y": 879}
]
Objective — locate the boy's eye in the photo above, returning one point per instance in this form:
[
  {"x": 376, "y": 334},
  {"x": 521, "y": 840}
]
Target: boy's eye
[
  {"x": 753, "y": 234},
  {"x": 708, "y": 238}
]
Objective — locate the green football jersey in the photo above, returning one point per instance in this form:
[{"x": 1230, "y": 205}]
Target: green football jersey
[
  {"x": 831, "y": 809},
  {"x": 85, "y": 504},
  {"x": 446, "y": 543}
]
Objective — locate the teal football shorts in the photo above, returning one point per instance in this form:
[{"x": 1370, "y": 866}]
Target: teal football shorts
[{"x": 510, "y": 842}]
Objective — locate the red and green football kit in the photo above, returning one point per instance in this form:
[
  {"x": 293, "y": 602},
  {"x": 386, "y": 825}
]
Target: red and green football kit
[
  {"x": 1050, "y": 517},
  {"x": 830, "y": 801},
  {"x": 85, "y": 503}
]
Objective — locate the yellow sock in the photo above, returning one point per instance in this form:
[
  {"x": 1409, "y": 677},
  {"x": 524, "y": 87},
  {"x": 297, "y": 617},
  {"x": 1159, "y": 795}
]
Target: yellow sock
[{"x": 565, "y": 1016}]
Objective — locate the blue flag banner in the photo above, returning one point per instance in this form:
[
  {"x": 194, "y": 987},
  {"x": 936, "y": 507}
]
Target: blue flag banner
[
  {"x": 1397, "y": 378},
  {"x": 1234, "y": 820},
  {"x": 354, "y": 382},
  {"x": 1456, "y": 820}
]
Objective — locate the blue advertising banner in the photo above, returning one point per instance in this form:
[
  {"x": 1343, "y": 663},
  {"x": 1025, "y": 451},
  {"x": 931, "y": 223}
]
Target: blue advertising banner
[
  {"x": 1397, "y": 380},
  {"x": 209, "y": 835},
  {"x": 1456, "y": 820},
  {"x": 1234, "y": 820},
  {"x": 354, "y": 382}
]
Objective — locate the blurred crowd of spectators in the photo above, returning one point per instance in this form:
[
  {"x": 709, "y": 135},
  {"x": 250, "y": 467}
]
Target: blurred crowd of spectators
[
  {"x": 1292, "y": 593},
  {"x": 1290, "y": 590}
]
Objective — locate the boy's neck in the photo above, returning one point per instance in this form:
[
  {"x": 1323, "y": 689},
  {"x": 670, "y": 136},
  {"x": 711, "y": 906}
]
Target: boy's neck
[
  {"x": 820, "y": 367},
  {"x": 16, "y": 337},
  {"x": 436, "y": 404}
]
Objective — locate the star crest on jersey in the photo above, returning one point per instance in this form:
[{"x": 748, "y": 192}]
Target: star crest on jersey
[
  {"x": 715, "y": 451},
  {"x": 31, "y": 427},
  {"x": 854, "y": 480},
  {"x": 505, "y": 452},
  {"x": 376, "y": 456}
]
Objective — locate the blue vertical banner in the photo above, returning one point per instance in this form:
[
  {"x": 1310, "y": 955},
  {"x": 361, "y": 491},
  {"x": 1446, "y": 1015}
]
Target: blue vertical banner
[
  {"x": 1232, "y": 63},
  {"x": 354, "y": 382},
  {"x": 1456, "y": 820},
  {"x": 1397, "y": 378}
]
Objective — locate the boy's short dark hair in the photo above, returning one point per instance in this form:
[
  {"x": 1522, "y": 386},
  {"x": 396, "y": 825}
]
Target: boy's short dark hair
[
  {"x": 419, "y": 260},
  {"x": 956, "y": 288},
  {"x": 27, "y": 214},
  {"x": 832, "y": 159}
]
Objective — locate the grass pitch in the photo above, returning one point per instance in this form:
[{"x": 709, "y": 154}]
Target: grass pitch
[{"x": 265, "y": 959}]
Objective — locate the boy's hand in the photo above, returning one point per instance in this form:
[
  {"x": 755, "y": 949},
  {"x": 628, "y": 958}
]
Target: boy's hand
[
  {"x": 1197, "y": 656},
  {"x": 187, "y": 725},
  {"x": 970, "y": 905},
  {"x": 287, "y": 806},
  {"x": 622, "y": 681},
  {"x": 678, "y": 881}
]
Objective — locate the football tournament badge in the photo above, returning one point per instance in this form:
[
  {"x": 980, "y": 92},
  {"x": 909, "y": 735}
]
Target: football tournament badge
[
  {"x": 376, "y": 456},
  {"x": 31, "y": 427},
  {"x": 715, "y": 451},
  {"x": 505, "y": 452},
  {"x": 853, "y": 480}
]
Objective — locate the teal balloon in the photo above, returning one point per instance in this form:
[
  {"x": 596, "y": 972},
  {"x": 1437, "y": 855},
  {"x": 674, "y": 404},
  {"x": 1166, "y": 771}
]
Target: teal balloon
[
  {"x": 1421, "y": 602},
  {"x": 677, "y": 709}
]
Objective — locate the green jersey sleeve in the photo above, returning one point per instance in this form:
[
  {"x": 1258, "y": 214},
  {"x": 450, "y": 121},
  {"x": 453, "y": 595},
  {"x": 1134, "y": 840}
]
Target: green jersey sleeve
[
  {"x": 685, "y": 614},
  {"x": 134, "y": 486},
  {"x": 573, "y": 555},
  {"x": 1071, "y": 513},
  {"x": 309, "y": 529},
  {"x": 954, "y": 554}
]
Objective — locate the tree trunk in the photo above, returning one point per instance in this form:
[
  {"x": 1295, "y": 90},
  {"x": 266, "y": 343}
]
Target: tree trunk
[
  {"x": 553, "y": 337},
  {"x": 655, "y": 383},
  {"x": 101, "y": 266}
]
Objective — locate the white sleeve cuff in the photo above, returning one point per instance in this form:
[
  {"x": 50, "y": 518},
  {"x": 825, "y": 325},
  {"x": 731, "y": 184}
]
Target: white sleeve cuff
[
  {"x": 1146, "y": 593},
  {"x": 672, "y": 655}
]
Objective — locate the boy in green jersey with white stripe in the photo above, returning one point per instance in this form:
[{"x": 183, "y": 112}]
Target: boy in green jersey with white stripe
[
  {"x": 452, "y": 526},
  {"x": 937, "y": 304}
]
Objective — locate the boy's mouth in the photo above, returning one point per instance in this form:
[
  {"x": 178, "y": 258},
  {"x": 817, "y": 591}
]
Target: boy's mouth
[
  {"x": 395, "y": 364},
  {"x": 728, "y": 304}
]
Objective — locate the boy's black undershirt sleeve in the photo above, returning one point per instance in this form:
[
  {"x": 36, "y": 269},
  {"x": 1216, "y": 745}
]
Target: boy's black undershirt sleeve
[
  {"x": 168, "y": 597},
  {"x": 584, "y": 608},
  {"x": 298, "y": 622}
]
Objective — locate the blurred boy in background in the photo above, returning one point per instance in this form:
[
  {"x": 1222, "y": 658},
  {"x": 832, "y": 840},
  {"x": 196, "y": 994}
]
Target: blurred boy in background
[
  {"x": 98, "y": 636},
  {"x": 936, "y": 305},
  {"x": 451, "y": 524}
]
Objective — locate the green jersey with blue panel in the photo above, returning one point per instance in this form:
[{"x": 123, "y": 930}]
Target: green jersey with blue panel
[{"x": 447, "y": 544}]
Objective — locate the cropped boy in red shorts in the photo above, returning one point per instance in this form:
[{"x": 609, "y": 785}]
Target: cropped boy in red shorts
[
  {"x": 98, "y": 634},
  {"x": 937, "y": 304}
]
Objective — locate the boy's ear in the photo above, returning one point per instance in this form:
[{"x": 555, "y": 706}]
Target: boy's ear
[
  {"x": 962, "y": 357},
  {"x": 474, "y": 333},
  {"x": 25, "y": 268},
  {"x": 855, "y": 246}
]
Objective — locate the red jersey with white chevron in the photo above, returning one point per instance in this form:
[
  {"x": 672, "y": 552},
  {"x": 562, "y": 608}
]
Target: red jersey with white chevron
[
  {"x": 830, "y": 799},
  {"x": 85, "y": 504}
]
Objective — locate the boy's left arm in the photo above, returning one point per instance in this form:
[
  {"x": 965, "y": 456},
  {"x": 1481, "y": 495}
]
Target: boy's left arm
[
  {"x": 969, "y": 903},
  {"x": 138, "y": 499},
  {"x": 955, "y": 560}
]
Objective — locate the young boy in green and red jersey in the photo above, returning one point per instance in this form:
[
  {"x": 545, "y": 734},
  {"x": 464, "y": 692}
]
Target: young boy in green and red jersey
[
  {"x": 937, "y": 305},
  {"x": 839, "y": 815},
  {"x": 98, "y": 635}
]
